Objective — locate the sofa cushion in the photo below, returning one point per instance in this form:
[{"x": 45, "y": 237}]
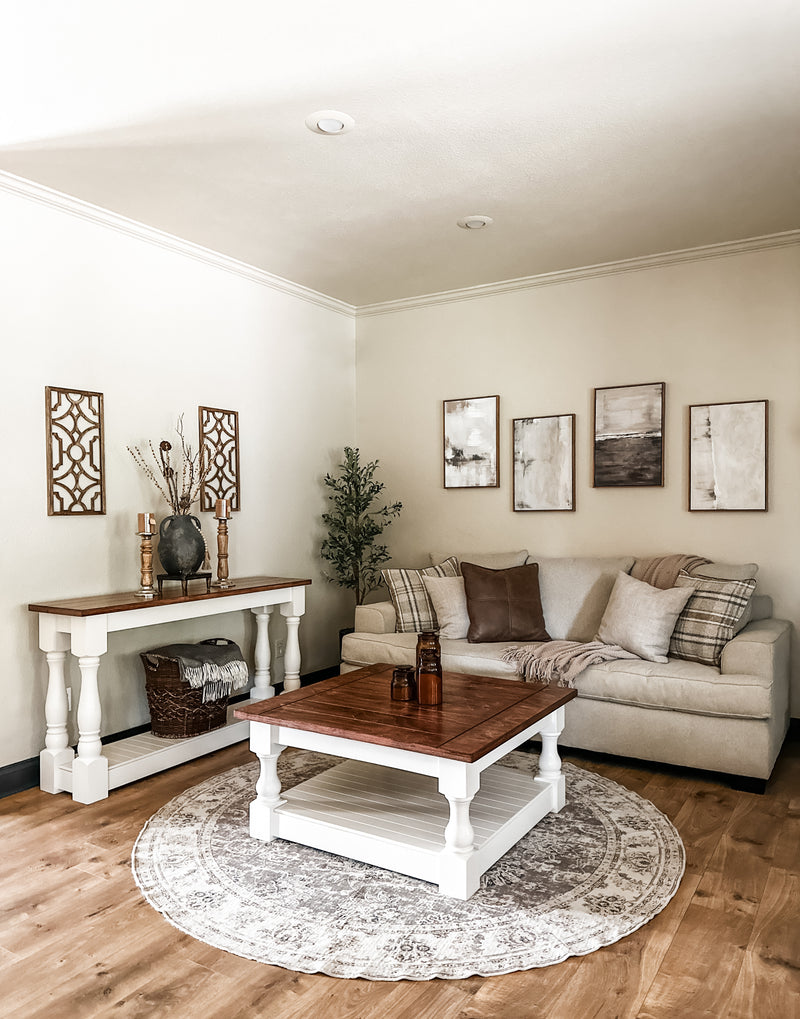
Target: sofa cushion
[
  {"x": 360, "y": 649},
  {"x": 641, "y": 618},
  {"x": 710, "y": 617},
  {"x": 411, "y": 602},
  {"x": 449, "y": 600},
  {"x": 726, "y": 571},
  {"x": 677, "y": 686},
  {"x": 492, "y": 560},
  {"x": 575, "y": 592},
  {"x": 503, "y": 604}
]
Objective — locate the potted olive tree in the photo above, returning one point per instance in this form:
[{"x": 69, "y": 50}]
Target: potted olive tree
[{"x": 354, "y": 521}]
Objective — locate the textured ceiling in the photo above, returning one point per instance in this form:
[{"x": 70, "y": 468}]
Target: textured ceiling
[{"x": 589, "y": 132}]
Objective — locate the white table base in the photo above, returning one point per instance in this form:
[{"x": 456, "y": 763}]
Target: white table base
[
  {"x": 439, "y": 820},
  {"x": 95, "y": 769}
]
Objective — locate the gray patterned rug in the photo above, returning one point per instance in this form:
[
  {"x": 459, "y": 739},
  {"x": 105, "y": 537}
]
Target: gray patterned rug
[{"x": 581, "y": 879}]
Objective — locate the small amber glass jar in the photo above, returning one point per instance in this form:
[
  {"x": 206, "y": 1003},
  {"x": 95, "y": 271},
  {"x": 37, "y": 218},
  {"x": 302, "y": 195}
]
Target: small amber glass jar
[
  {"x": 404, "y": 684},
  {"x": 429, "y": 679}
]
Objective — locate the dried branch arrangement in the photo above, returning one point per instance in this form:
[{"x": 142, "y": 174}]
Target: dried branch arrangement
[{"x": 180, "y": 485}]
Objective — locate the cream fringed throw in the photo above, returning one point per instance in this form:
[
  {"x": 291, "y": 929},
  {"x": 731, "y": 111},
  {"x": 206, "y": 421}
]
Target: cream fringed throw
[
  {"x": 560, "y": 661},
  {"x": 217, "y": 669}
]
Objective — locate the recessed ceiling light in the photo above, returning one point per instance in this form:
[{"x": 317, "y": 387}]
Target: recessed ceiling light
[
  {"x": 329, "y": 122},
  {"x": 475, "y": 222}
]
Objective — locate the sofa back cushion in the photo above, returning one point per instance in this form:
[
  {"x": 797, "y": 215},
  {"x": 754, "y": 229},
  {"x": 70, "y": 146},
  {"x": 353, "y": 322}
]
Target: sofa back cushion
[
  {"x": 575, "y": 592},
  {"x": 490, "y": 560}
]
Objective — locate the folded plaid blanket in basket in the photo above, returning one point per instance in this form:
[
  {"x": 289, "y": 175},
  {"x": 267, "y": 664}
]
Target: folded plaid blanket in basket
[{"x": 218, "y": 669}]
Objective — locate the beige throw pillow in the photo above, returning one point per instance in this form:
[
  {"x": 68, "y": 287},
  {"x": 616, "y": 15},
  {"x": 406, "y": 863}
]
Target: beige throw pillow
[
  {"x": 450, "y": 605},
  {"x": 641, "y": 618}
]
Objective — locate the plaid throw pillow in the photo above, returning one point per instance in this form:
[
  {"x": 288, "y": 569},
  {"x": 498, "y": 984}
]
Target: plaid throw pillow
[
  {"x": 709, "y": 618},
  {"x": 412, "y": 603}
]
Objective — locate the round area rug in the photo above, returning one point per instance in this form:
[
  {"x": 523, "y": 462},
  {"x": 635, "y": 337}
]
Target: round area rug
[{"x": 581, "y": 879}]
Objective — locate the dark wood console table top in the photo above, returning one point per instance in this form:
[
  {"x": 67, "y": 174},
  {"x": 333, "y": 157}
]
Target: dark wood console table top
[
  {"x": 98, "y": 605},
  {"x": 478, "y": 714}
]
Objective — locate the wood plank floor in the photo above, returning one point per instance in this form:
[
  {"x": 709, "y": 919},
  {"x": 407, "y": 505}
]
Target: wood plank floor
[{"x": 78, "y": 941}]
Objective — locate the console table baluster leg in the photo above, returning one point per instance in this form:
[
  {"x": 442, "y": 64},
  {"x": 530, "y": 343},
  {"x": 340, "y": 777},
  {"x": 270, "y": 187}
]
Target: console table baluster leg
[
  {"x": 90, "y": 768},
  {"x": 263, "y": 681},
  {"x": 57, "y": 752},
  {"x": 291, "y": 661}
]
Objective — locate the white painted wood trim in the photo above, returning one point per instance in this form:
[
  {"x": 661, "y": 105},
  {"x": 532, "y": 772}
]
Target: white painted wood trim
[
  {"x": 121, "y": 224},
  {"x": 766, "y": 242}
]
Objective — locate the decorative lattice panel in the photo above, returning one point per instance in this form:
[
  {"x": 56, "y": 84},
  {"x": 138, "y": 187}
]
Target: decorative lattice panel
[
  {"x": 219, "y": 439},
  {"x": 75, "y": 452}
]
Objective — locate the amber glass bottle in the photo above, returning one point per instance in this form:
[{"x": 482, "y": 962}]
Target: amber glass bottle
[
  {"x": 428, "y": 641},
  {"x": 429, "y": 679}
]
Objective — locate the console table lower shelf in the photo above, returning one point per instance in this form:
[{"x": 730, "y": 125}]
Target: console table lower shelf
[{"x": 138, "y": 756}]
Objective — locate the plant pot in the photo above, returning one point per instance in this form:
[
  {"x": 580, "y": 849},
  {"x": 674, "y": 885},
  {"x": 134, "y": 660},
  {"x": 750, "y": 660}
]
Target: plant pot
[{"x": 181, "y": 547}]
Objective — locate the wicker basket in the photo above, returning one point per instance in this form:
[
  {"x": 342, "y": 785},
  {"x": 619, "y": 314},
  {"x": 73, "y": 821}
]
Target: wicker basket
[{"x": 176, "y": 709}]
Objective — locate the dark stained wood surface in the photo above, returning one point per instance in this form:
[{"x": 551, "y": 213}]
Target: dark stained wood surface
[
  {"x": 477, "y": 713},
  {"x": 97, "y": 605}
]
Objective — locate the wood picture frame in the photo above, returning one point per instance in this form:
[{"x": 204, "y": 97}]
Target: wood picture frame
[
  {"x": 729, "y": 456},
  {"x": 219, "y": 438},
  {"x": 544, "y": 463},
  {"x": 471, "y": 442},
  {"x": 76, "y": 479},
  {"x": 628, "y": 447}
]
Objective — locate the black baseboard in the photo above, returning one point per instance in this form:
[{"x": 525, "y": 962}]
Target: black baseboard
[{"x": 16, "y": 778}]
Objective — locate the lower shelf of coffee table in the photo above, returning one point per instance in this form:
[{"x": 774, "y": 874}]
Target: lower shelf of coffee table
[{"x": 396, "y": 819}]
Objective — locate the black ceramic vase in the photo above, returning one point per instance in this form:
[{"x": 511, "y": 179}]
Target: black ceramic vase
[{"x": 181, "y": 548}]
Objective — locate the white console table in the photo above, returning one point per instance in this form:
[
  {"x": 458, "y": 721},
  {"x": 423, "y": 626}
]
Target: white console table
[{"x": 82, "y": 625}]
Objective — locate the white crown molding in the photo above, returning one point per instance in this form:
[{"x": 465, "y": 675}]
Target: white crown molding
[
  {"x": 94, "y": 214},
  {"x": 724, "y": 250}
]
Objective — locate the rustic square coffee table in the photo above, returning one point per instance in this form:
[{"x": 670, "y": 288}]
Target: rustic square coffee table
[{"x": 420, "y": 790}]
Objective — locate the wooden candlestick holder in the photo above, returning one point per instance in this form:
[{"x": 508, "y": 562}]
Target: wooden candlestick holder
[
  {"x": 222, "y": 554},
  {"x": 146, "y": 589}
]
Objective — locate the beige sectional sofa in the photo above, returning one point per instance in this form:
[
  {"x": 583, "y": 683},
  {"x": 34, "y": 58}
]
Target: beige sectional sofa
[{"x": 732, "y": 718}]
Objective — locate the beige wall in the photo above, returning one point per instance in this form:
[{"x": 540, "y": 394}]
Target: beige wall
[
  {"x": 158, "y": 333},
  {"x": 713, "y": 330}
]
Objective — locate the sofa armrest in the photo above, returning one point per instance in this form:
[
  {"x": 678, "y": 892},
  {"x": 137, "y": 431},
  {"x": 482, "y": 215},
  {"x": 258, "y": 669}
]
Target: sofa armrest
[
  {"x": 377, "y": 617},
  {"x": 760, "y": 649}
]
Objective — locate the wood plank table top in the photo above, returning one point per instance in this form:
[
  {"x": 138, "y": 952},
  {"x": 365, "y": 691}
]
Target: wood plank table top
[
  {"x": 477, "y": 713},
  {"x": 99, "y": 605}
]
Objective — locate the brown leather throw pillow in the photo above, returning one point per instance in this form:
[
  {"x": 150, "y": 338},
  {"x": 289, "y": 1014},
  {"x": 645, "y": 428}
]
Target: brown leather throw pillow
[{"x": 503, "y": 604}]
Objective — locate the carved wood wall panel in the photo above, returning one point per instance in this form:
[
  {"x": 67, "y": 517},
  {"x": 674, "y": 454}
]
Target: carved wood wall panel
[
  {"x": 75, "y": 452},
  {"x": 219, "y": 438}
]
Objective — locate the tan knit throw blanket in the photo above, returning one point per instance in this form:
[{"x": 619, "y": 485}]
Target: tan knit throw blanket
[
  {"x": 560, "y": 661},
  {"x": 662, "y": 571}
]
